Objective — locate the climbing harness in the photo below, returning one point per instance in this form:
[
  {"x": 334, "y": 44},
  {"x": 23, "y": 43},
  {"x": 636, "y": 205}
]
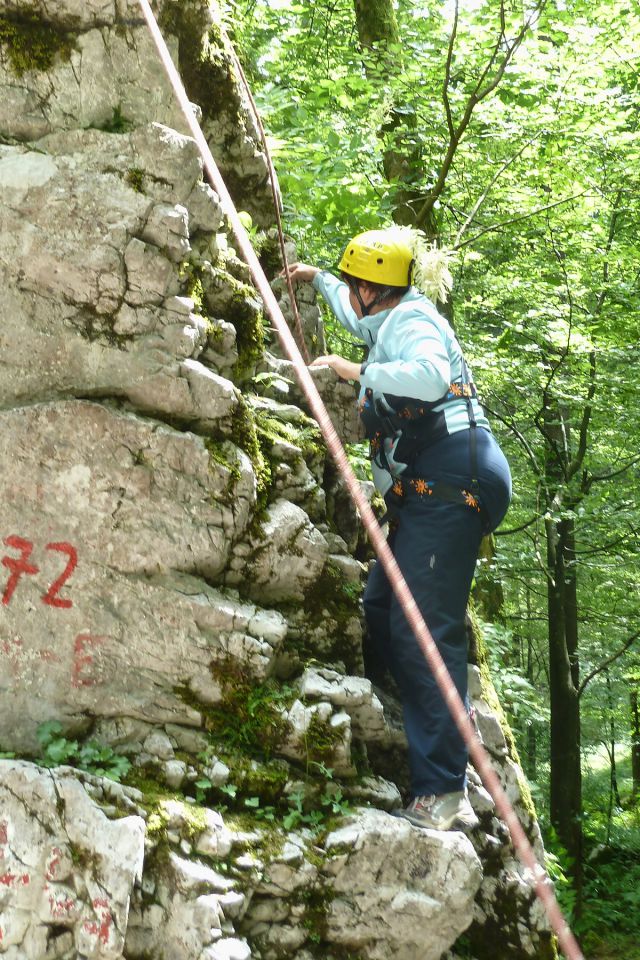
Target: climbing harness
[
  {"x": 456, "y": 707},
  {"x": 413, "y": 426}
]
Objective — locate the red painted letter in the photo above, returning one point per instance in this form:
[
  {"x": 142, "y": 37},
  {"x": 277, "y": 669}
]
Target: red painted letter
[
  {"x": 17, "y": 566},
  {"x": 83, "y": 660}
]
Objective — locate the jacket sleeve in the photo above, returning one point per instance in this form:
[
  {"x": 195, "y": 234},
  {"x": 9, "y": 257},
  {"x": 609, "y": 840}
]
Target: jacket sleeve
[
  {"x": 336, "y": 293},
  {"x": 419, "y": 364}
]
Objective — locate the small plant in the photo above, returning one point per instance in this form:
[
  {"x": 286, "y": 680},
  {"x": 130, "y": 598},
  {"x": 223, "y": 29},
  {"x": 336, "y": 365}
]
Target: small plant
[
  {"x": 91, "y": 756},
  {"x": 203, "y": 785},
  {"x": 118, "y": 123},
  {"x": 297, "y": 815},
  {"x": 135, "y": 178},
  {"x": 260, "y": 812},
  {"x": 251, "y": 718},
  {"x": 331, "y": 803}
]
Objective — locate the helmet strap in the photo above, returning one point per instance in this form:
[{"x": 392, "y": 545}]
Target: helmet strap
[{"x": 366, "y": 308}]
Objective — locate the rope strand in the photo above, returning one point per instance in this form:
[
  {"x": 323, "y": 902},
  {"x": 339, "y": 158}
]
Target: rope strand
[{"x": 274, "y": 191}]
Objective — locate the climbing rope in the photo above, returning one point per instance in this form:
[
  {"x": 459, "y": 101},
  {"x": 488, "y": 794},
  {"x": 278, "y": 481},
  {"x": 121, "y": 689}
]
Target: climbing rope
[
  {"x": 482, "y": 763},
  {"x": 273, "y": 180}
]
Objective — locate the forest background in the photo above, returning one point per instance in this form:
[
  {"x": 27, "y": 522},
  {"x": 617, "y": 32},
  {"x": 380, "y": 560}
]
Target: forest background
[{"x": 508, "y": 132}]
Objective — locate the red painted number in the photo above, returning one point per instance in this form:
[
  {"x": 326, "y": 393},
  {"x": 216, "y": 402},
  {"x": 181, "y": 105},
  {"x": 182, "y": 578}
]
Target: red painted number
[
  {"x": 51, "y": 596},
  {"x": 17, "y": 565},
  {"x": 20, "y": 566}
]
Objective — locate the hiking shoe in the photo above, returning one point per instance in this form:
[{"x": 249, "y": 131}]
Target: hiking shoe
[{"x": 442, "y": 812}]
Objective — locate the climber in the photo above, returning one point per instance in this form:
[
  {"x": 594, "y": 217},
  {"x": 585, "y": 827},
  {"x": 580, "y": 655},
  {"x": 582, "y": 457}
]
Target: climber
[{"x": 444, "y": 479}]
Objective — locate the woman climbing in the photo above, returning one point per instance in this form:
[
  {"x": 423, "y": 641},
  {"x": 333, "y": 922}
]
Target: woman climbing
[{"x": 444, "y": 479}]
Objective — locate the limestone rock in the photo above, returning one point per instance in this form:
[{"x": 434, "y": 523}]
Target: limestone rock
[
  {"x": 338, "y": 689},
  {"x": 111, "y": 78},
  {"x": 316, "y": 731},
  {"x": 424, "y": 886},
  {"x": 355, "y": 694},
  {"x": 68, "y": 871},
  {"x": 186, "y": 916},
  {"x": 287, "y": 558},
  {"x": 95, "y": 310},
  {"x": 114, "y": 626},
  {"x": 337, "y": 395}
]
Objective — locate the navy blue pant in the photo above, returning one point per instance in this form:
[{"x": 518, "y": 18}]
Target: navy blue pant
[{"x": 436, "y": 545}]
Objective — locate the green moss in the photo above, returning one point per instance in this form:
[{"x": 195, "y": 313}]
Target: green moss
[
  {"x": 307, "y": 437},
  {"x": 333, "y": 602},
  {"x": 135, "y": 178},
  {"x": 203, "y": 67},
  {"x": 220, "y": 456},
  {"x": 266, "y": 779},
  {"x": 320, "y": 739},
  {"x": 32, "y": 44},
  {"x": 245, "y": 436},
  {"x": 249, "y": 325},
  {"x": 334, "y": 592},
  {"x": 191, "y": 276},
  {"x": 376, "y": 21},
  {"x": 215, "y": 334},
  {"x": 250, "y": 717}
]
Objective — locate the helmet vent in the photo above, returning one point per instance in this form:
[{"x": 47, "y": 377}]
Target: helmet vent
[{"x": 379, "y": 260}]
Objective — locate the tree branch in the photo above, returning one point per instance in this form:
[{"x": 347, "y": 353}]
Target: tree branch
[
  {"x": 605, "y": 663},
  {"x": 483, "y": 196},
  {"x": 447, "y": 72},
  {"x": 614, "y": 473},
  {"x": 578, "y": 460},
  {"x": 523, "y": 526},
  {"x": 524, "y": 216},
  {"x": 478, "y": 94}
]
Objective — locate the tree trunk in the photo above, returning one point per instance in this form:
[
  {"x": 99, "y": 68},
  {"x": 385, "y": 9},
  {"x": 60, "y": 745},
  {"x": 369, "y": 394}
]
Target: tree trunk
[
  {"x": 635, "y": 744},
  {"x": 566, "y": 775},
  {"x": 562, "y": 607},
  {"x": 376, "y": 22},
  {"x": 402, "y": 156}
]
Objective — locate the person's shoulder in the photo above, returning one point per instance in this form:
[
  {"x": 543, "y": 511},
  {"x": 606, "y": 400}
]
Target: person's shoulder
[{"x": 415, "y": 307}]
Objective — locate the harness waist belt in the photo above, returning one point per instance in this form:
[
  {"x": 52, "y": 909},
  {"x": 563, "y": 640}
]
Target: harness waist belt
[{"x": 433, "y": 488}]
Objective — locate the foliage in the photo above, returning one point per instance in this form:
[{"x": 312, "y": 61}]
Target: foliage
[
  {"x": 251, "y": 717},
  {"x": 91, "y": 756}
]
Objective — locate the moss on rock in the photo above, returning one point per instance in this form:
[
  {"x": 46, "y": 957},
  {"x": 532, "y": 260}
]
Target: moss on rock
[
  {"x": 245, "y": 436},
  {"x": 203, "y": 65},
  {"x": 250, "y": 717},
  {"x": 30, "y": 43}
]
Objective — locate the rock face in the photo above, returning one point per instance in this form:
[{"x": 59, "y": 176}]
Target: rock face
[
  {"x": 177, "y": 584},
  {"x": 67, "y": 870}
]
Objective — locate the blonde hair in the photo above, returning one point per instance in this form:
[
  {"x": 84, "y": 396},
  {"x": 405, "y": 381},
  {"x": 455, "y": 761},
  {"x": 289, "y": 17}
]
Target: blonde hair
[{"x": 431, "y": 273}]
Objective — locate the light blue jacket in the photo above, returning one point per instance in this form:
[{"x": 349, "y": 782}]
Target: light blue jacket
[{"x": 413, "y": 352}]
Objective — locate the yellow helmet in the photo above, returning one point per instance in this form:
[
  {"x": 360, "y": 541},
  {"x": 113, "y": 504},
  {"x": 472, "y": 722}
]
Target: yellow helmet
[{"x": 379, "y": 257}]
